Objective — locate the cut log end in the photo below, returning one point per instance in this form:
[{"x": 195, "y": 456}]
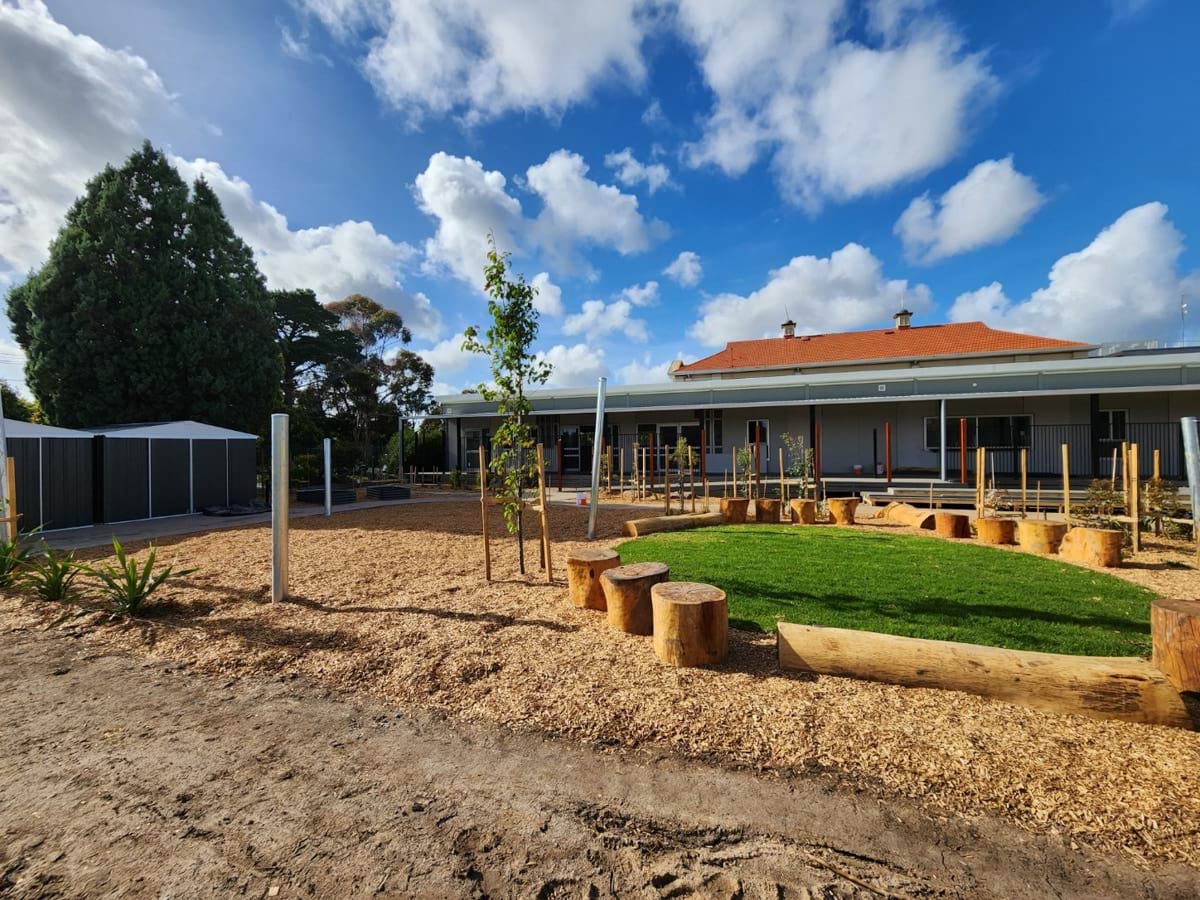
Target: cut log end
[
  {"x": 691, "y": 623},
  {"x": 1175, "y": 642},
  {"x": 766, "y": 511},
  {"x": 995, "y": 531},
  {"x": 842, "y": 509},
  {"x": 803, "y": 512},
  {"x": 951, "y": 525},
  {"x": 627, "y": 594},
  {"x": 584, "y": 568},
  {"x": 733, "y": 510},
  {"x": 1093, "y": 546},
  {"x": 1040, "y": 536}
]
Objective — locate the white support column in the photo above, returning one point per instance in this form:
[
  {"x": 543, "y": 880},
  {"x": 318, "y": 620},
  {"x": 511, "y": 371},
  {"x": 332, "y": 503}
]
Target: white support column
[
  {"x": 1191, "y": 458},
  {"x": 279, "y": 506},
  {"x": 597, "y": 450},
  {"x": 942, "y": 432},
  {"x": 328, "y": 477}
]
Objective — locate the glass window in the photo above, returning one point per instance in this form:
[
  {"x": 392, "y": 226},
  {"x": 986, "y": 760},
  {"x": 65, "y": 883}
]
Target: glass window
[
  {"x": 472, "y": 441},
  {"x": 711, "y": 420},
  {"x": 982, "y": 431},
  {"x": 1112, "y": 424},
  {"x": 758, "y": 431}
]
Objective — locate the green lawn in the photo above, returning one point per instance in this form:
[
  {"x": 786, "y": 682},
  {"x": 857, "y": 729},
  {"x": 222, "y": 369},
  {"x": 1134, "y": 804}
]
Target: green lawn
[{"x": 900, "y": 584}]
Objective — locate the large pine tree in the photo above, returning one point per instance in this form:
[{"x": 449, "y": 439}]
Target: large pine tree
[{"x": 149, "y": 308}]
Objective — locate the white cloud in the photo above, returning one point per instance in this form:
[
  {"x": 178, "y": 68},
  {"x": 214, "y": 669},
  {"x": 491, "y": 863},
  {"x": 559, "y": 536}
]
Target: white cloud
[
  {"x": 653, "y": 114},
  {"x": 332, "y": 260},
  {"x": 843, "y": 291},
  {"x": 630, "y": 172},
  {"x": 467, "y": 202},
  {"x": 685, "y": 269},
  {"x": 837, "y": 118},
  {"x": 642, "y": 294},
  {"x": 597, "y": 319},
  {"x": 68, "y": 106},
  {"x": 579, "y": 211},
  {"x": 1124, "y": 285},
  {"x": 988, "y": 206},
  {"x": 644, "y": 371},
  {"x": 549, "y": 296},
  {"x": 448, "y": 356},
  {"x": 481, "y": 59},
  {"x": 297, "y": 46},
  {"x": 576, "y": 366}
]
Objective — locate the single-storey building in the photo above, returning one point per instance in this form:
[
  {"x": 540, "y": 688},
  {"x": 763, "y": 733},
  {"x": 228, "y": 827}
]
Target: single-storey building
[{"x": 845, "y": 394}]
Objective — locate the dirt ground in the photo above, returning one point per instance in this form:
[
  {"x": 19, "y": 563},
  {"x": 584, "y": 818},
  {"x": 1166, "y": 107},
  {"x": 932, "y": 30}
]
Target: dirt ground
[
  {"x": 123, "y": 777},
  {"x": 390, "y": 607}
]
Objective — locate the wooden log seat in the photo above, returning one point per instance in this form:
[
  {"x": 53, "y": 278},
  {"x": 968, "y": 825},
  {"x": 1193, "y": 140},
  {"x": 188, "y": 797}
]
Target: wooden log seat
[
  {"x": 627, "y": 594},
  {"x": 691, "y": 623},
  {"x": 842, "y": 509},
  {"x": 995, "y": 531},
  {"x": 1039, "y": 536},
  {"x": 951, "y": 525},
  {"x": 803, "y": 512},
  {"x": 1093, "y": 546},
  {"x": 584, "y": 568},
  {"x": 766, "y": 510},
  {"x": 1175, "y": 642},
  {"x": 656, "y": 524},
  {"x": 734, "y": 509}
]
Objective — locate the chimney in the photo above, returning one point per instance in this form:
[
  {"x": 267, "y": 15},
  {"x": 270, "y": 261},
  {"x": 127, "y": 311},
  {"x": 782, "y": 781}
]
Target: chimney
[
  {"x": 903, "y": 319},
  {"x": 789, "y": 329}
]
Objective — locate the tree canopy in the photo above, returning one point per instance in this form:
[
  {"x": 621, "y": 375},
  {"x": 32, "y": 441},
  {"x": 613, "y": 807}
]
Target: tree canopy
[{"x": 148, "y": 308}]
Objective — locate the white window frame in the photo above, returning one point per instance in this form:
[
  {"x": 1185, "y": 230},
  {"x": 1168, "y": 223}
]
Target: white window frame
[{"x": 1109, "y": 439}]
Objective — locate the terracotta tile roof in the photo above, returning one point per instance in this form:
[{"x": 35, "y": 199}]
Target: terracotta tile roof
[{"x": 953, "y": 339}]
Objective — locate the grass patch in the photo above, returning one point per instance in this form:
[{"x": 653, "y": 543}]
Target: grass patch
[{"x": 906, "y": 585}]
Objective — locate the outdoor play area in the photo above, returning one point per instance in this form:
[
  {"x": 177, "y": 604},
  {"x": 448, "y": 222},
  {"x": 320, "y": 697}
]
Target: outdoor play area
[{"x": 393, "y": 604}]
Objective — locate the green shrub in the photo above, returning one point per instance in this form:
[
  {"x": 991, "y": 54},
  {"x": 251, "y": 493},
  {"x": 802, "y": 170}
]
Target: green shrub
[
  {"x": 14, "y": 558},
  {"x": 127, "y": 585},
  {"x": 49, "y": 576}
]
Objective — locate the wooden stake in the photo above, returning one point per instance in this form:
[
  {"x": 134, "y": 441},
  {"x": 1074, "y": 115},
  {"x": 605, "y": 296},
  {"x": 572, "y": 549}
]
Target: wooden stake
[
  {"x": 692, "y": 477},
  {"x": 545, "y": 516},
  {"x": 1066, "y": 461},
  {"x": 1157, "y": 466},
  {"x": 1113, "y": 486},
  {"x": 735, "y": 481},
  {"x": 1135, "y": 496},
  {"x": 11, "y": 516},
  {"x": 782, "y": 485},
  {"x": 483, "y": 506},
  {"x": 1024, "y": 480},
  {"x": 1125, "y": 474}
]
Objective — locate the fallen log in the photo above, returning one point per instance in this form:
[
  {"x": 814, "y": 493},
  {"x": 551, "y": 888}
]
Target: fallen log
[
  {"x": 656, "y": 524},
  {"x": 907, "y": 514},
  {"x": 1175, "y": 637},
  {"x": 1118, "y": 687}
]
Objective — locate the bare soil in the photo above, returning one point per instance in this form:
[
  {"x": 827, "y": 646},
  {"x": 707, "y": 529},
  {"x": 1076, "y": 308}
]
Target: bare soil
[
  {"x": 124, "y": 777},
  {"x": 390, "y": 607}
]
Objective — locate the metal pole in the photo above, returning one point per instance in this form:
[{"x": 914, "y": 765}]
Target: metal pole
[
  {"x": 942, "y": 441},
  {"x": 279, "y": 506},
  {"x": 328, "y": 477},
  {"x": 400, "y": 452},
  {"x": 1191, "y": 456},
  {"x": 601, "y": 391}
]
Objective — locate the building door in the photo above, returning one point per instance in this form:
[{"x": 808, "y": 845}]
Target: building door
[{"x": 569, "y": 435}]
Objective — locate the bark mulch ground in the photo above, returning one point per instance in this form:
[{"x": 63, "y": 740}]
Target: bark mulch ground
[{"x": 391, "y": 603}]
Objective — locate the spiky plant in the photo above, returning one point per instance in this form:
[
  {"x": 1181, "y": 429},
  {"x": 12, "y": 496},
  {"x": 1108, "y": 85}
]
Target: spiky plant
[
  {"x": 128, "y": 585},
  {"x": 49, "y": 576}
]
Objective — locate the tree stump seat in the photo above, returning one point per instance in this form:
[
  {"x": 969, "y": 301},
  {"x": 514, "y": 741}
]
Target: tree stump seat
[
  {"x": 842, "y": 509},
  {"x": 1094, "y": 546},
  {"x": 1040, "y": 536},
  {"x": 803, "y": 512},
  {"x": 691, "y": 623},
  {"x": 1175, "y": 642},
  {"x": 734, "y": 509},
  {"x": 584, "y": 568},
  {"x": 766, "y": 510},
  {"x": 995, "y": 531},
  {"x": 627, "y": 595},
  {"x": 951, "y": 525}
]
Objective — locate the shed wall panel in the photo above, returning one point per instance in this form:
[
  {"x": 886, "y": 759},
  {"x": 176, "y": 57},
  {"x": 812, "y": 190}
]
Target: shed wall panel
[
  {"x": 27, "y": 466},
  {"x": 66, "y": 482},
  {"x": 126, "y": 486},
  {"x": 242, "y": 463},
  {"x": 170, "y": 477},
  {"x": 209, "y": 473}
]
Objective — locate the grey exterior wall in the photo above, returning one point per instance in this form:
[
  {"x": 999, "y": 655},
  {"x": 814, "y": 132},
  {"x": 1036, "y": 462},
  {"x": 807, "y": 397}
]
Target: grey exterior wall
[
  {"x": 125, "y": 479},
  {"x": 67, "y": 483},
  {"x": 210, "y": 484},
  {"x": 242, "y": 487},
  {"x": 170, "y": 477}
]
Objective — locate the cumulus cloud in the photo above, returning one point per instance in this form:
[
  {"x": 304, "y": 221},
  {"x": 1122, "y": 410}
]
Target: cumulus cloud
[
  {"x": 1124, "y": 285},
  {"x": 596, "y": 319},
  {"x": 448, "y": 356},
  {"x": 480, "y": 59},
  {"x": 642, "y": 294},
  {"x": 576, "y": 366},
  {"x": 296, "y": 44},
  {"x": 988, "y": 206},
  {"x": 578, "y": 211},
  {"x": 631, "y": 172},
  {"x": 333, "y": 260},
  {"x": 842, "y": 291},
  {"x": 549, "y": 296},
  {"x": 685, "y": 269},
  {"x": 468, "y": 202},
  {"x": 836, "y": 118},
  {"x": 644, "y": 371},
  {"x": 68, "y": 106}
]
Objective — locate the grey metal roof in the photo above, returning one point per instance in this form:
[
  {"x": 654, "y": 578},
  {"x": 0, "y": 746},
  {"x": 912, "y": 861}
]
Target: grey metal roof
[
  {"x": 180, "y": 430},
  {"x": 1114, "y": 374}
]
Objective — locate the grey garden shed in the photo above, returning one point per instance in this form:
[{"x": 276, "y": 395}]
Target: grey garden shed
[
  {"x": 148, "y": 471},
  {"x": 53, "y": 468}
]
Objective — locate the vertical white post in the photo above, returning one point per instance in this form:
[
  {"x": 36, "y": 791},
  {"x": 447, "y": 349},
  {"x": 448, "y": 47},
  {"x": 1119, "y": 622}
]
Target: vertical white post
[
  {"x": 279, "y": 506},
  {"x": 1191, "y": 457},
  {"x": 942, "y": 432},
  {"x": 597, "y": 446},
  {"x": 328, "y": 477},
  {"x": 3, "y": 462}
]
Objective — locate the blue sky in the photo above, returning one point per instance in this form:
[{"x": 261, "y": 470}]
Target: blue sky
[{"x": 1033, "y": 165}]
